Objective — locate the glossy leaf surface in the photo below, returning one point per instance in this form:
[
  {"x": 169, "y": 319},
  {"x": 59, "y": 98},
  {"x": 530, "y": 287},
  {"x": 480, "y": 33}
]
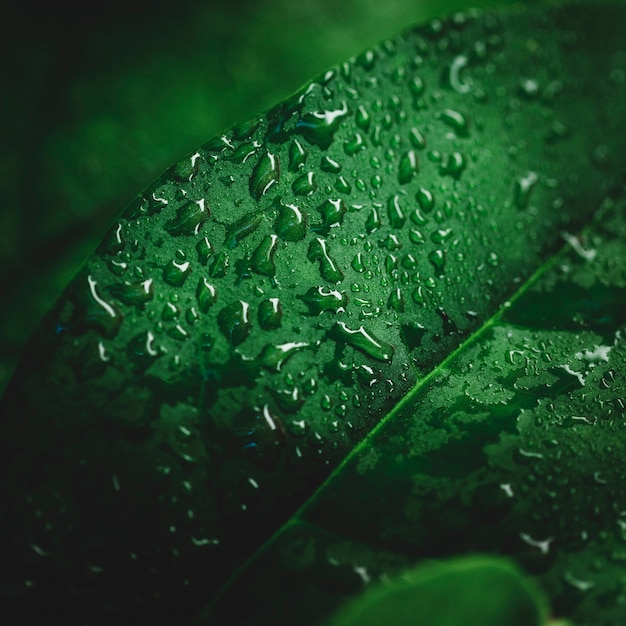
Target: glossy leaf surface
[{"x": 261, "y": 308}]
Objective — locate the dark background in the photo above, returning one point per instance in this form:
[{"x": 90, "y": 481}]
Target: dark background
[{"x": 96, "y": 101}]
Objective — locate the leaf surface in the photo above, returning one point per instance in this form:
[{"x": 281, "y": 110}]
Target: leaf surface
[{"x": 264, "y": 305}]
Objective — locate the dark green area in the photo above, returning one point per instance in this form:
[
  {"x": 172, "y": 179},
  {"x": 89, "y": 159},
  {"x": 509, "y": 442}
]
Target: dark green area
[{"x": 263, "y": 305}]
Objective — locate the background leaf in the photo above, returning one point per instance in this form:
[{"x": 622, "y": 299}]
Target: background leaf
[
  {"x": 185, "y": 385},
  {"x": 475, "y": 590}
]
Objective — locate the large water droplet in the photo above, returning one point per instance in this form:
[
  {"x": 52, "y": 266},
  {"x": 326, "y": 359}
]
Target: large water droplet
[
  {"x": 206, "y": 294},
  {"x": 262, "y": 261},
  {"x": 234, "y": 321},
  {"x": 304, "y": 185},
  {"x": 319, "y": 300},
  {"x": 189, "y": 218},
  {"x": 363, "y": 340},
  {"x": 133, "y": 293},
  {"x": 409, "y": 165},
  {"x": 318, "y": 251},
  {"x": 265, "y": 174},
  {"x": 297, "y": 155},
  {"x": 395, "y": 212},
  {"x": 177, "y": 271},
  {"x": 273, "y": 357},
  {"x": 332, "y": 213},
  {"x": 242, "y": 228},
  {"x": 319, "y": 127},
  {"x": 291, "y": 222},
  {"x": 270, "y": 314}
]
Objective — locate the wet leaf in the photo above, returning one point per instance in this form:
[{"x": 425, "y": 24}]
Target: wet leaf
[{"x": 325, "y": 383}]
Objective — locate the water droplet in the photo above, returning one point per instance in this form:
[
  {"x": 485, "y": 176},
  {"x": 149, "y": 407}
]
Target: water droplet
[
  {"x": 396, "y": 301},
  {"x": 454, "y": 79},
  {"x": 234, "y": 322},
  {"x": 342, "y": 185},
  {"x": 189, "y": 218},
  {"x": 366, "y": 60},
  {"x": 523, "y": 187},
  {"x": 395, "y": 212},
  {"x": 412, "y": 334},
  {"x": 438, "y": 261},
  {"x": 329, "y": 165},
  {"x": 262, "y": 261},
  {"x": 270, "y": 313},
  {"x": 390, "y": 242},
  {"x": 206, "y": 294},
  {"x": 417, "y": 87},
  {"x": 176, "y": 272},
  {"x": 204, "y": 250},
  {"x": 328, "y": 268},
  {"x": 409, "y": 165},
  {"x": 244, "y": 152},
  {"x": 372, "y": 222},
  {"x": 363, "y": 119},
  {"x": 273, "y": 357},
  {"x": 441, "y": 235},
  {"x": 265, "y": 174},
  {"x": 242, "y": 228},
  {"x": 354, "y": 145},
  {"x": 304, "y": 185},
  {"x": 456, "y": 121},
  {"x": 363, "y": 340},
  {"x": 332, "y": 213},
  {"x": 291, "y": 223},
  {"x": 133, "y": 294},
  {"x": 417, "y": 139},
  {"x": 219, "y": 265},
  {"x": 319, "y": 127},
  {"x": 297, "y": 155},
  {"x": 528, "y": 88},
  {"x": 453, "y": 165},
  {"x": 426, "y": 199},
  {"x": 358, "y": 262},
  {"x": 319, "y": 300}
]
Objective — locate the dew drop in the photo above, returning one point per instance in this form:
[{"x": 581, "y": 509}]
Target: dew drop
[
  {"x": 297, "y": 155},
  {"x": 189, "y": 218},
  {"x": 133, "y": 294},
  {"x": 332, "y": 213},
  {"x": 319, "y": 300},
  {"x": 409, "y": 165},
  {"x": 319, "y": 127},
  {"x": 318, "y": 251},
  {"x": 270, "y": 313},
  {"x": 273, "y": 357},
  {"x": 291, "y": 223},
  {"x": 262, "y": 261},
  {"x": 234, "y": 322},
  {"x": 177, "y": 271},
  {"x": 395, "y": 212},
  {"x": 363, "y": 340},
  {"x": 206, "y": 295},
  {"x": 453, "y": 165},
  {"x": 265, "y": 174},
  {"x": 456, "y": 121},
  {"x": 523, "y": 188},
  {"x": 304, "y": 185},
  {"x": 438, "y": 260},
  {"x": 204, "y": 250},
  {"x": 242, "y": 228}
]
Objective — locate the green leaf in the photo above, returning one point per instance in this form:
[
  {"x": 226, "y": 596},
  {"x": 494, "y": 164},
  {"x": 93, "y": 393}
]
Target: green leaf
[
  {"x": 308, "y": 306},
  {"x": 471, "y": 590}
]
